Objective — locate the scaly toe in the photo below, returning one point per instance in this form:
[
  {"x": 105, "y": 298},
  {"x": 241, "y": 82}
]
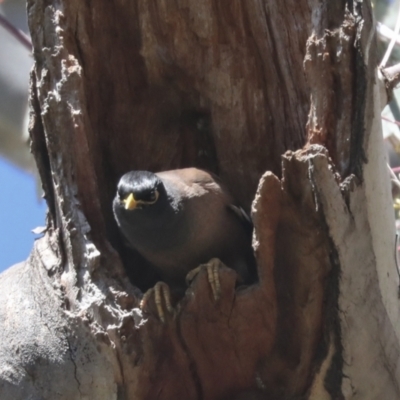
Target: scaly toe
[
  {"x": 161, "y": 291},
  {"x": 212, "y": 268}
]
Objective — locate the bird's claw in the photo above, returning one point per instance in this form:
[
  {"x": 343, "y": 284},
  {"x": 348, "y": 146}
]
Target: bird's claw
[
  {"x": 212, "y": 268},
  {"x": 161, "y": 291}
]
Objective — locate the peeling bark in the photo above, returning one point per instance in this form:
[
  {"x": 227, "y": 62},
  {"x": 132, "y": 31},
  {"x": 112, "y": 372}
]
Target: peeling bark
[{"x": 281, "y": 100}]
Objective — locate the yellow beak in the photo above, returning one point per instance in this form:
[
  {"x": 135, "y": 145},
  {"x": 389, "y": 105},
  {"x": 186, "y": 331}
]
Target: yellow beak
[{"x": 130, "y": 202}]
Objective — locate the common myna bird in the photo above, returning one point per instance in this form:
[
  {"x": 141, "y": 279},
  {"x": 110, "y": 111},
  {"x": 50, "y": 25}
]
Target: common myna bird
[{"x": 180, "y": 219}]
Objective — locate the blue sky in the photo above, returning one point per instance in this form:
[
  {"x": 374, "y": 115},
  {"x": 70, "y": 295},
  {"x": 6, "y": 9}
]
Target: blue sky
[{"x": 21, "y": 210}]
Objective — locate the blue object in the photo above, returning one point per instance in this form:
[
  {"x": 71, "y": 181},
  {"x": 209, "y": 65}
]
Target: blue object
[{"x": 21, "y": 210}]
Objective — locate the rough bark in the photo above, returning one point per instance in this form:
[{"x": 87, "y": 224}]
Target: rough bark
[{"x": 239, "y": 88}]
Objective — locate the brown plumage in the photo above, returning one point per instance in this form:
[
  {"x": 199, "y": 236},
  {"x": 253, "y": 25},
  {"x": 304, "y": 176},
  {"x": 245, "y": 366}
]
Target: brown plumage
[{"x": 180, "y": 219}]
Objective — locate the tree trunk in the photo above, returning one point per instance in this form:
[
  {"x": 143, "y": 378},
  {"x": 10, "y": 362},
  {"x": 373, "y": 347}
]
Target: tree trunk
[{"x": 238, "y": 88}]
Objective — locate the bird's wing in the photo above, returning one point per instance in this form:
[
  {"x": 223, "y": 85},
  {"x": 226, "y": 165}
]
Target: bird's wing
[
  {"x": 188, "y": 180},
  {"x": 244, "y": 218},
  {"x": 188, "y": 175}
]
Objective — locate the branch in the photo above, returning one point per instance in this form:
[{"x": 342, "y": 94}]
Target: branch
[
  {"x": 17, "y": 33},
  {"x": 389, "y": 78},
  {"x": 392, "y": 42}
]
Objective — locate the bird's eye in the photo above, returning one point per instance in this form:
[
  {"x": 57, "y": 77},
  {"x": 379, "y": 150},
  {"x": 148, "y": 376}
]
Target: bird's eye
[{"x": 153, "y": 196}]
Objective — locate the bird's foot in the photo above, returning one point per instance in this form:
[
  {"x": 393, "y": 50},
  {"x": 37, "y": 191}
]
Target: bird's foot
[
  {"x": 161, "y": 291},
  {"x": 212, "y": 268}
]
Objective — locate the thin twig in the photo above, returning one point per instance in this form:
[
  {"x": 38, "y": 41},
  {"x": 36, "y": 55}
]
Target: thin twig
[
  {"x": 396, "y": 181},
  {"x": 391, "y": 172},
  {"x": 396, "y": 259},
  {"x": 17, "y": 33},
  {"x": 391, "y": 121},
  {"x": 392, "y": 42},
  {"x": 386, "y": 32},
  {"x": 394, "y": 178}
]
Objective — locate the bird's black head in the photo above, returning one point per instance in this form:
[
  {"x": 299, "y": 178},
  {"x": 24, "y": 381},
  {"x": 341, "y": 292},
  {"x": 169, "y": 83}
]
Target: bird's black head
[
  {"x": 138, "y": 190},
  {"x": 142, "y": 208}
]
